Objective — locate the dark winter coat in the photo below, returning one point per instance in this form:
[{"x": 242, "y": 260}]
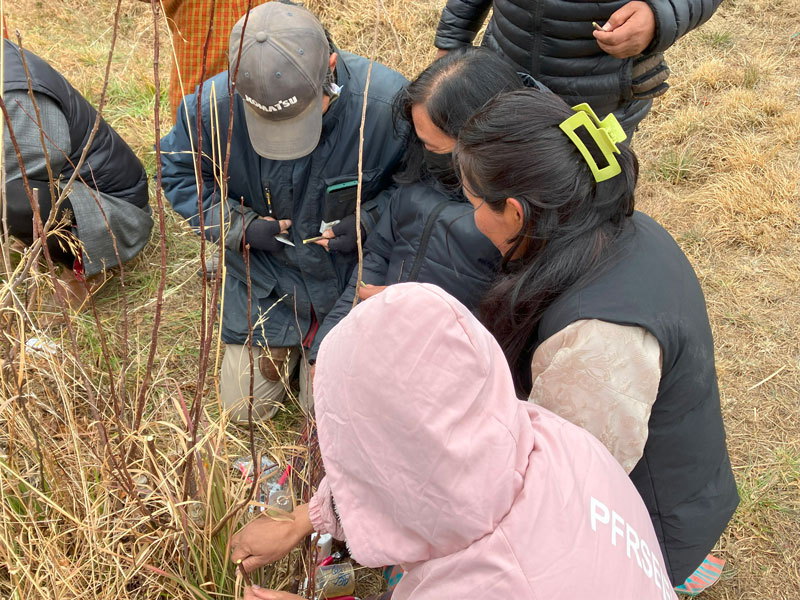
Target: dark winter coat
[
  {"x": 297, "y": 283},
  {"x": 111, "y": 166},
  {"x": 684, "y": 475},
  {"x": 427, "y": 235},
  {"x": 552, "y": 40},
  {"x": 111, "y": 177}
]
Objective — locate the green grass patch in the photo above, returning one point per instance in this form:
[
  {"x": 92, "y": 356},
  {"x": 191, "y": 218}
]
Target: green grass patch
[
  {"x": 675, "y": 166},
  {"x": 752, "y": 75},
  {"x": 132, "y": 99},
  {"x": 691, "y": 239},
  {"x": 721, "y": 40}
]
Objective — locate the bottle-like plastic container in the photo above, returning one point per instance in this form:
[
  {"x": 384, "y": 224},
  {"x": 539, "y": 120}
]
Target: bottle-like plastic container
[
  {"x": 272, "y": 490},
  {"x": 279, "y": 498},
  {"x": 324, "y": 543},
  {"x": 245, "y": 466},
  {"x": 332, "y": 581},
  {"x": 278, "y": 492}
]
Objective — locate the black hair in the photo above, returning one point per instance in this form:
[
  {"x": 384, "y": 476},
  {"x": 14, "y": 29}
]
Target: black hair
[
  {"x": 452, "y": 88},
  {"x": 513, "y": 148}
]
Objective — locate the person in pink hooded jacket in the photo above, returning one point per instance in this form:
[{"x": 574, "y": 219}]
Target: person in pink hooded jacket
[{"x": 436, "y": 466}]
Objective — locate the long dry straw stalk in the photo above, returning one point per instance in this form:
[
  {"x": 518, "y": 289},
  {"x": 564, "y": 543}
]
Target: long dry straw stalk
[
  {"x": 115, "y": 476},
  {"x": 126, "y": 481},
  {"x": 4, "y": 236},
  {"x": 359, "y": 242},
  {"x": 141, "y": 398}
]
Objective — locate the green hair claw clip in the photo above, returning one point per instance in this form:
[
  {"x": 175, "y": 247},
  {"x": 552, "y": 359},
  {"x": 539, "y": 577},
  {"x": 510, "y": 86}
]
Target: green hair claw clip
[{"x": 606, "y": 134}]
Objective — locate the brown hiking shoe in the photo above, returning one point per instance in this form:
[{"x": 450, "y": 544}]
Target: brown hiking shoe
[
  {"x": 272, "y": 363},
  {"x": 75, "y": 290}
]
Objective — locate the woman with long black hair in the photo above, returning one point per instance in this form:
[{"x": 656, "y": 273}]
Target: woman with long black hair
[
  {"x": 427, "y": 233},
  {"x": 598, "y": 311}
]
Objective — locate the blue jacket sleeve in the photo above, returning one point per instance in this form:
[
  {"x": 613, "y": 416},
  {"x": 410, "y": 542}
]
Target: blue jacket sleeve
[
  {"x": 372, "y": 209},
  {"x": 460, "y": 22},
  {"x": 221, "y": 218},
  {"x": 676, "y": 18},
  {"x": 377, "y": 252}
]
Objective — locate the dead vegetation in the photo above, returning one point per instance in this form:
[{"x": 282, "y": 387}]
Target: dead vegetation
[{"x": 719, "y": 157}]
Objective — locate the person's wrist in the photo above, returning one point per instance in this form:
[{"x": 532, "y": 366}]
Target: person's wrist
[
  {"x": 653, "y": 41},
  {"x": 301, "y": 526}
]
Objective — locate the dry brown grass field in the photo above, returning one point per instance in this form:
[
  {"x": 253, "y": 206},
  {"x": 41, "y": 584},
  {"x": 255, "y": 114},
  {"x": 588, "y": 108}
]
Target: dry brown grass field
[{"x": 720, "y": 158}]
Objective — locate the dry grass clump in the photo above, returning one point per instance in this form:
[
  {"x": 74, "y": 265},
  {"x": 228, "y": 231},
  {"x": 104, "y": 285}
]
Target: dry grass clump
[
  {"x": 767, "y": 214},
  {"x": 94, "y": 507},
  {"x": 115, "y": 473},
  {"x": 405, "y": 29},
  {"x": 718, "y": 73}
]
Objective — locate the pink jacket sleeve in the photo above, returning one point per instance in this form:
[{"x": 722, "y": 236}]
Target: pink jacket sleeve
[{"x": 322, "y": 513}]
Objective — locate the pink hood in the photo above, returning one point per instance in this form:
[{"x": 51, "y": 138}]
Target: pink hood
[{"x": 435, "y": 465}]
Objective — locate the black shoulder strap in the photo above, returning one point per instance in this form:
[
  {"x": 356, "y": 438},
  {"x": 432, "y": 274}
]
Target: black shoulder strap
[{"x": 426, "y": 237}]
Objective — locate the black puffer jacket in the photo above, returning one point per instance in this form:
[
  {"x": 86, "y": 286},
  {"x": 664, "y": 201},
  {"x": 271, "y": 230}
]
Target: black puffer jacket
[
  {"x": 552, "y": 40},
  {"x": 428, "y": 235}
]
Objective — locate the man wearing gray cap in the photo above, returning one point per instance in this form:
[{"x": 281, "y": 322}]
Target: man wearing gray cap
[{"x": 293, "y": 175}]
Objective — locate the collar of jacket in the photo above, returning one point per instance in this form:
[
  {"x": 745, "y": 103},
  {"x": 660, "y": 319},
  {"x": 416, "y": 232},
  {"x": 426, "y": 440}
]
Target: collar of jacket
[
  {"x": 337, "y": 108},
  {"x": 453, "y": 193}
]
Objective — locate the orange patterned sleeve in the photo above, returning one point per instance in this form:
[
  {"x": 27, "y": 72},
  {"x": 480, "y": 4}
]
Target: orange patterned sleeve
[{"x": 188, "y": 22}]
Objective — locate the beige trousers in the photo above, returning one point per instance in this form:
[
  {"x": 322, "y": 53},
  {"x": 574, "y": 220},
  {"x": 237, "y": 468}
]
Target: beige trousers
[{"x": 271, "y": 372}]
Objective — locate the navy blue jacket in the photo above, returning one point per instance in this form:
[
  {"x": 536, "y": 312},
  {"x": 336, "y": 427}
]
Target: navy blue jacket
[
  {"x": 428, "y": 235},
  {"x": 295, "y": 284}
]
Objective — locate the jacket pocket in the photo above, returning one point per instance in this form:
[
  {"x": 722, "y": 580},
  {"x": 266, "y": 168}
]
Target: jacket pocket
[
  {"x": 341, "y": 192},
  {"x": 235, "y": 318}
]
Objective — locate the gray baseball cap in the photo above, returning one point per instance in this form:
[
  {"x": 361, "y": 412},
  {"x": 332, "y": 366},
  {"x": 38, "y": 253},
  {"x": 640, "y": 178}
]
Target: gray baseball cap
[{"x": 282, "y": 68}]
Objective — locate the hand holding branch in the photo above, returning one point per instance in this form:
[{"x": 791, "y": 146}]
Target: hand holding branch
[
  {"x": 366, "y": 291},
  {"x": 265, "y": 540},
  {"x": 257, "y": 593}
]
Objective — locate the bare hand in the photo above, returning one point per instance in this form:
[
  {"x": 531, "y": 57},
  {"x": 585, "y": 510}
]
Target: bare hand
[
  {"x": 326, "y": 236},
  {"x": 257, "y": 593},
  {"x": 368, "y": 291},
  {"x": 628, "y": 31},
  {"x": 265, "y": 539}
]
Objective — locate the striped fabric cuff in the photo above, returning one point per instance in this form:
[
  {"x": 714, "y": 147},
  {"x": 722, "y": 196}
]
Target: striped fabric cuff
[{"x": 706, "y": 575}]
